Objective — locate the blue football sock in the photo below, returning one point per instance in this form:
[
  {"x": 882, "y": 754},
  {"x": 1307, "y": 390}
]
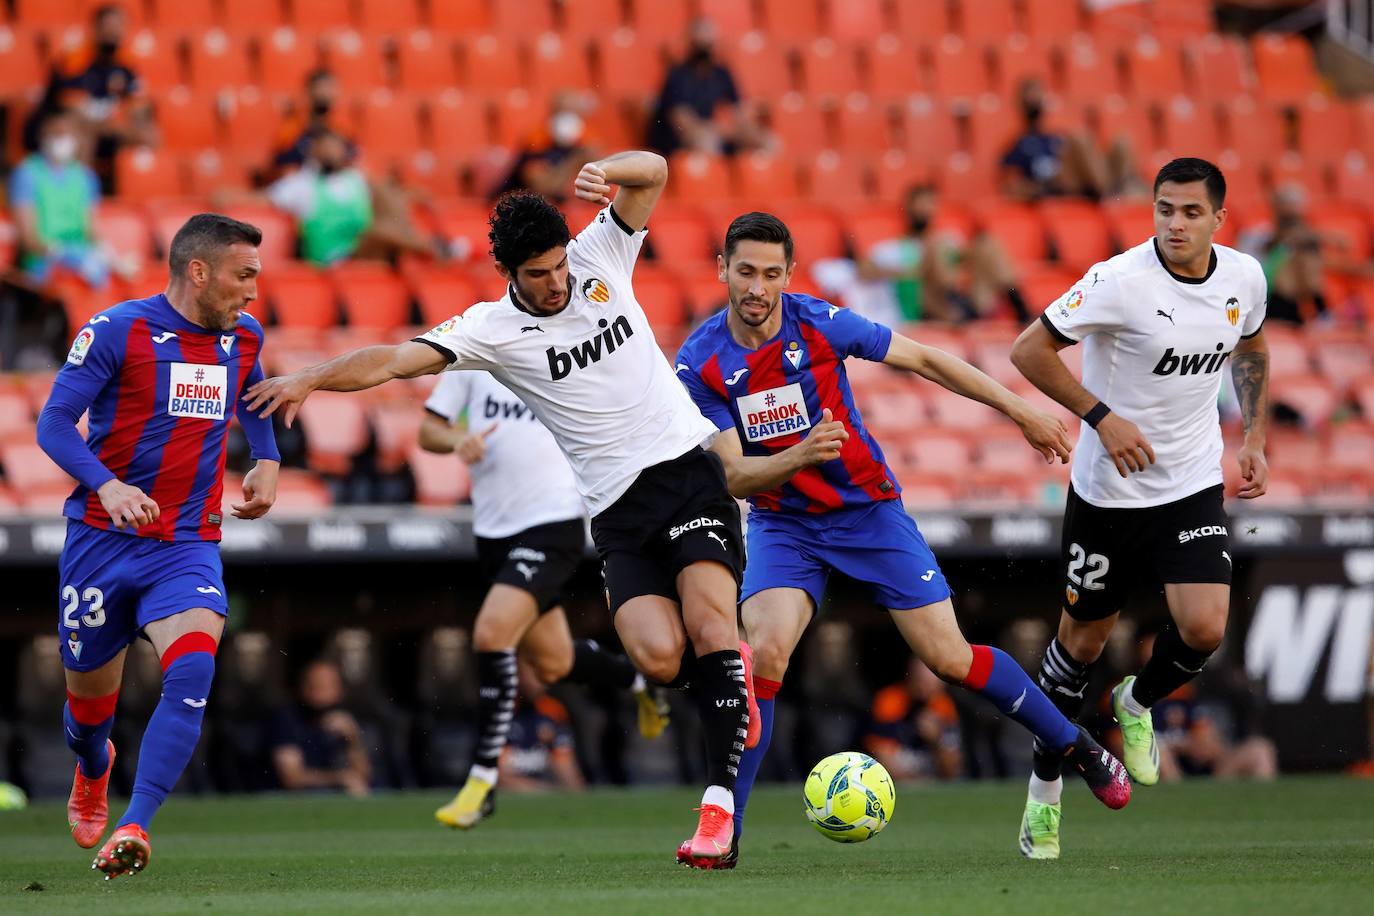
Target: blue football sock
[
  {"x": 172, "y": 732},
  {"x": 997, "y": 676},
  {"x": 753, "y": 757},
  {"x": 87, "y": 724}
]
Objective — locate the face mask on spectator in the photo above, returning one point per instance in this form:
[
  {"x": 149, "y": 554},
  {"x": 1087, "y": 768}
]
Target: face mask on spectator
[
  {"x": 320, "y": 107},
  {"x": 919, "y": 224},
  {"x": 107, "y": 48},
  {"x": 1033, "y": 112},
  {"x": 566, "y": 128},
  {"x": 61, "y": 148}
]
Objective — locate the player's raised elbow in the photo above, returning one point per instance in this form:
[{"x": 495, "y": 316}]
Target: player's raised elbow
[
  {"x": 657, "y": 168},
  {"x": 1029, "y": 347}
]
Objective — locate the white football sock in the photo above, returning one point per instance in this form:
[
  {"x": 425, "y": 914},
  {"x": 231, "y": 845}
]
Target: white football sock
[
  {"x": 721, "y": 797},
  {"x": 1046, "y": 792}
]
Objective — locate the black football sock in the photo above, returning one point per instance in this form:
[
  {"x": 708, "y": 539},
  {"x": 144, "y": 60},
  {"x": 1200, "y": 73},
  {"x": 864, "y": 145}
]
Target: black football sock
[
  {"x": 496, "y": 686},
  {"x": 1172, "y": 664},
  {"x": 595, "y": 667},
  {"x": 1064, "y": 680},
  {"x": 723, "y": 701}
]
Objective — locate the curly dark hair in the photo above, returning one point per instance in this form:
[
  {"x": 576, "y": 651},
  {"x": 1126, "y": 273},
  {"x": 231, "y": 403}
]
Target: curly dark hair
[{"x": 525, "y": 225}]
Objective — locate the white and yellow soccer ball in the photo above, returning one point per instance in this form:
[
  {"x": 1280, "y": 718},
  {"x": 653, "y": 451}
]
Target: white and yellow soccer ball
[{"x": 849, "y": 797}]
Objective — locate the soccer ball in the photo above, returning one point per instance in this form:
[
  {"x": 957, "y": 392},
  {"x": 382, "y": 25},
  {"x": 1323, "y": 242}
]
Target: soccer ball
[{"x": 849, "y": 797}]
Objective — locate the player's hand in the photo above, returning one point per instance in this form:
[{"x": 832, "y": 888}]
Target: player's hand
[
  {"x": 824, "y": 441},
  {"x": 1047, "y": 435},
  {"x": 1254, "y": 470},
  {"x": 591, "y": 185},
  {"x": 1127, "y": 445},
  {"x": 472, "y": 448},
  {"x": 127, "y": 505},
  {"x": 259, "y": 490},
  {"x": 285, "y": 390}
]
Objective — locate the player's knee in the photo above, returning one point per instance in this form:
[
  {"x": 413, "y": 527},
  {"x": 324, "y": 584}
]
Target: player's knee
[
  {"x": 770, "y": 658},
  {"x": 1204, "y": 633},
  {"x": 490, "y": 635},
  {"x": 657, "y": 659},
  {"x": 951, "y": 667},
  {"x": 1085, "y": 644},
  {"x": 552, "y": 668},
  {"x": 188, "y": 668}
]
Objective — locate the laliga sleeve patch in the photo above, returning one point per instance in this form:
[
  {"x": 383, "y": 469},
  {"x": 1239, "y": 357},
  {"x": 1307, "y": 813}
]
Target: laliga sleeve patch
[{"x": 81, "y": 346}]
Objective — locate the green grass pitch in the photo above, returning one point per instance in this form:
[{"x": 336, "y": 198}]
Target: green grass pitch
[{"x": 1297, "y": 846}]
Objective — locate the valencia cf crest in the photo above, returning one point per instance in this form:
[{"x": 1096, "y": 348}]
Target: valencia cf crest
[
  {"x": 1233, "y": 311},
  {"x": 595, "y": 290},
  {"x": 1071, "y": 595},
  {"x": 74, "y": 645},
  {"x": 794, "y": 354}
]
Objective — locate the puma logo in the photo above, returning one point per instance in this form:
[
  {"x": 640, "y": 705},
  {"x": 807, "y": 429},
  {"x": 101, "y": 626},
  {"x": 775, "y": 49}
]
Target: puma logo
[
  {"x": 532, "y": 327},
  {"x": 712, "y": 534},
  {"x": 1163, "y": 314},
  {"x": 526, "y": 571}
]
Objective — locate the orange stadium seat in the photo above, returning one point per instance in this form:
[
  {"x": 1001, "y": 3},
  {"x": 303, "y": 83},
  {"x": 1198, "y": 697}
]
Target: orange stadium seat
[
  {"x": 730, "y": 16},
  {"x": 1117, "y": 118},
  {"x": 958, "y": 412},
  {"x": 319, "y": 15},
  {"x": 1339, "y": 488},
  {"x": 188, "y": 16},
  {"x": 894, "y": 69},
  {"x": 1285, "y": 67},
  {"x": 1349, "y": 446},
  {"x": 1288, "y": 352},
  {"x": 440, "y": 480},
  {"x": 587, "y": 18},
  {"x": 557, "y": 63},
  {"x": 301, "y": 493},
  {"x": 442, "y": 291},
  {"x": 1343, "y": 355},
  {"x": 661, "y": 21},
  {"x": 357, "y": 61},
  {"x": 79, "y": 301},
  {"x": 680, "y": 237},
  {"x": 830, "y": 70},
  {"x": 706, "y": 294},
  {"x": 1346, "y": 223},
  {"x": 992, "y": 128},
  {"x": 459, "y": 121},
  {"x": 815, "y": 232},
  {"x": 697, "y": 176},
  {"x": 187, "y": 121},
  {"x": 922, "y": 21},
  {"x": 660, "y": 293},
  {"x": 1311, "y": 397},
  {"x": 924, "y": 491},
  {"x": 1155, "y": 70},
  {"x": 762, "y": 69},
  {"x": 49, "y": 13},
  {"x": 1326, "y": 127},
  {"x": 993, "y": 356},
  {"x": 396, "y": 428},
  {"x": 960, "y": 69},
  {"x": 533, "y": 17},
  {"x": 142, "y": 173},
  {"x": 1042, "y": 285},
  {"x": 391, "y": 17},
  {"x": 792, "y": 21},
  {"x": 1008, "y": 452},
  {"x": 124, "y": 228},
  {"x": 519, "y": 117},
  {"x": 893, "y": 410},
  {"x": 801, "y": 124},
  {"x": 1089, "y": 72},
  {"x": 1186, "y": 127},
  {"x": 16, "y": 420},
  {"x": 616, "y": 78},
  {"x": 1052, "y": 18},
  {"x": 284, "y": 59},
  {"x": 493, "y": 63},
  {"x": 425, "y": 62},
  {"x": 301, "y": 296},
  {"x": 841, "y": 180},
  {"x": 9, "y": 502},
  {"x": 1220, "y": 67},
  {"x": 930, "y": 133},
  {"x": 218, "y": 60},
  {"x": 1019, "y": 229},
  {"x": 937, "y": 453},
  {"x": 209, "y": 168},
  {"x": 8, "y": 241},
  {"x": 253, "y": 16},
  {"x": 864, "y": 126},
  {"x": 895, "y": 172},
  {"x": 857, "y": 22},
  {"x": 372, "y": 295},
  {"x": 20, "y": 65},
  {"x": 250, "y": 122},
  {"x": 168, "y": 214},
  {"x": 157, "y": 59},
  {"x": 27, "y": 467},
  {"x": 1020, "y": 58},
  {"x": 390, "y": 123},
  {"x": 460, "y": 18},
  {"x": 866, "y": 226},
  {"x": 278, "y": 232},
  {"x": 988, "y": 21},
  {"x": 465, "y": 222},
  {"x": 1078, "y": 231},
  {"x": 990, "y": 489},
  {"x": 763, "y": 178},
  {"x": 335, "y": 430}
]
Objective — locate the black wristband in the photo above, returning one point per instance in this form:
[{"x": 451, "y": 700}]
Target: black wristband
[{"x": 1096, "y": 415}]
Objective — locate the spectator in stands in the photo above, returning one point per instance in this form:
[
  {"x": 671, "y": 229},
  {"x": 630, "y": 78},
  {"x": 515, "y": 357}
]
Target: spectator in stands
[
  {"x": 1289, "y": 248},
  {"x": 539, "y": 752},
  {"x": 1044, "y": 163},
  {"x": 53, "y": 195},
  {"x": 925, "y": 274},
  {"x": 1192, "y": 742},
  {"x": 341, "y": 214},
  {"x": 316, "y": 744},
  {"x": 699, "y": 107},
  {"x": 319, "y": 109},
  {"x": 835, "y": 697},
  {"x": 97, "y": 82},
  {"x": 914, "y": 728},
  {"x": 554, "y": 155}
]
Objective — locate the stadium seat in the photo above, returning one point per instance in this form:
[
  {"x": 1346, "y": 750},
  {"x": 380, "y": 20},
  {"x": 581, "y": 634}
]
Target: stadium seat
[
  {"x": 442, "y": 290},
  {"x": 183, "y": 15},
  {"x": 991, "y": 129},
  {"x": 792, "y": 21},
  {"x": 660, "y": 294},
  {"x": 1339, "y": 489},
  {"x": 392, "y": 17},
  {"x": 357, "y": 61},
  {"x": 534, "y": 17},
  {"x": 284, "y": 59},
  {"x": 1078, "y": 231},
  {"x": 1052, "y": 19},
  {"x": 8, "y": 241},
  {"x": 893, "y": 410},
  {"x": 762, "y": 69},
  {"x": 705, "y": 294},
  {"x": 1131, "y": 222},
  {"x": 157, "y": 59},
  {"x": 829, "y": 70},
  {"x": 1008, "y": 452},
  {"x": 1019, "y": 228},
  {"x": 1041, "y": 286},
  {"x": 1020, "y": 58},
  {"x": 557, "y": 63},
  {"x": 187, "y": 121},
  {"x": 864, "y": 126},
  {"x": 1350, "y": 445},
  {"x": 895, "y": 71},
  {"x": 1288, "y": 351},
  {"x": 27, "y": 468},
  {"x": 841, "y": 179},
  {"x": 259, "y": 16},
  {"x": 390, "y": 124},
  {"x": 1342, "y": 355},
  {"x": 459, "y": 121},
  {"x": 764, "y": 178},
  {"x": 1155, "y": 71},
  {"x": 142, "y": 173},
  {"x": 960, "y": 69},
  {"x": 583, "y": 19},
  {"x": 460, "y": 18},
  {"x": 895, "y": 172},
  {"x": 924, "y": 492},
  {"x": 1311, "y": 397},
  {"x": 957, "y": 412},
  {"x": 935, "y": 453},
  {"x": 1346, "y": 223},
  {"x": 1287, "y": 489},
  {"x": 1185, "y": 126},
  {"x": 218, "y": 60},
  {"x": 1362, "y": 389},
  {"x": 993, "y": 489},
  {"x": 922, "y": 21},
  {"x": 1285, "y": 67},
  {"x": 815, "y": 231},
  {"x": 124, "y": 228},
  {"x": 250, "y": 119},
  {"x": 855, "y": 22},
  {"x": 48, "y": 13},
  {"x": 313, "y": 16},
  {"x": 1089, "y": 72},
  {"x": 1118, "y": 118},
  {"x": 425, "y": 62},
  {"x": 335, "y": 430},
  {"x": 637, "y": 83},
  {"x": 658, "y": 21},
  {"x": 301, "y": 296},
  {"x": 1326, "y": 128},
  {"x": 20, "y": 63},
  {"x": 1220, "y": 68},
  {"x": 465, "y": 222},
  {"x": 300, "y": 493},
  {"x": 868, "y": 225},
  {"x": 697, "y": 176},
  {"x": 9, "y": 503},
  {"x": 396, "y": 430},
  {"x": 440, "y": 480},
  {"x": 373, "y": 297},
  {"x": 520, "y": 117},
  {"x": 681, "y": 238},
  {"x": 988, "y": 21},
  {"x": 16, "y": 420},
  {"x": 942, "y": 337}
]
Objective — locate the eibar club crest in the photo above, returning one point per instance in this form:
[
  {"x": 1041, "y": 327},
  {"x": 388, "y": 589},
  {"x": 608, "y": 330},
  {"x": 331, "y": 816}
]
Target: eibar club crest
[
  {"x": 1233, "y": 311},
  {"x": 794, "y": 354},
  {"x": 595, "y": 290}
]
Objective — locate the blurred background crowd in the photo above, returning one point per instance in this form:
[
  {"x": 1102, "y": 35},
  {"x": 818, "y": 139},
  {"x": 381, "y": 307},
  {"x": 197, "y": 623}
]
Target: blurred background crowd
[{"x": 948, "y": 166}]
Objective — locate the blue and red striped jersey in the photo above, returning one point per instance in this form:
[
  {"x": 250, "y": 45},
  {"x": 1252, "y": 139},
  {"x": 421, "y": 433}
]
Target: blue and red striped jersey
[
  {"x": 160, "y": 392},
  {"x": 775, "y": 394}
]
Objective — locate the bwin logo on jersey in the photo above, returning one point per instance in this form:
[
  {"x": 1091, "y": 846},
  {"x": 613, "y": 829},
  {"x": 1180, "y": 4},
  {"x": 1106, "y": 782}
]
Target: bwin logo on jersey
[
  {"x": 1190, "y": 363},
  {"x": 589, "y": 351}
]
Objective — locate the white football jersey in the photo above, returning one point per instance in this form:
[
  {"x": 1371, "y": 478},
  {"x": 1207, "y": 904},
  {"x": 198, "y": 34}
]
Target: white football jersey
[
  {"x": 523, "y": 480},
  {"x": 1155, "y": 347},
  {"x": 593, "y": 373}
]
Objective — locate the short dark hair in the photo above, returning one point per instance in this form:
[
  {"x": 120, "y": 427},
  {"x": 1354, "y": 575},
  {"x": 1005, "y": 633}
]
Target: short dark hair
[
  {"x": 106, "y": 9},
  {"x": 204, "y": 236},
  {"x": 525, "y": 225},
  {"x": 758, "y": 227},
  {"x": 1188, "y": 170}
]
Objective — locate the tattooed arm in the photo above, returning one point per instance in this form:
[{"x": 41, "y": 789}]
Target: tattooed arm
[{"x": 1250, "y": 372}]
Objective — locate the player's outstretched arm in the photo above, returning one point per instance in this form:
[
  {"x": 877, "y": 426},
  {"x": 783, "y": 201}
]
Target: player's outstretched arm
[
  {"x": 640, "y": 175},
  {"x": 365, "y": 368},
  {"x": 1046, "y": 434},
  {"x": 746, "y": 475},
  {"x": 1036, "y": 356},
  {"x": 1250, "y": 372}
]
